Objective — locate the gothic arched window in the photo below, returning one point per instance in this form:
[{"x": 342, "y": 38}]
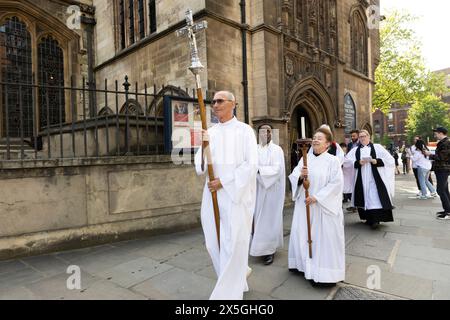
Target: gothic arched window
[
  {"x": 50, "y": 75},
  {"x": 359, "y": 43},
  {"x": 16, "y": 66}
]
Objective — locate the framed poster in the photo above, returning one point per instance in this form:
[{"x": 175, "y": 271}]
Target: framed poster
[{"x": 183, "y": 124}]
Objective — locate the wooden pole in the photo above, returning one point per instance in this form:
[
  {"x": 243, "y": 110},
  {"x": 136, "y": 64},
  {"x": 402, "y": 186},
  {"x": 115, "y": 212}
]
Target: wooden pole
[
  {"x": 206, "y": 149},
  {"x": 304, "y": 145}
]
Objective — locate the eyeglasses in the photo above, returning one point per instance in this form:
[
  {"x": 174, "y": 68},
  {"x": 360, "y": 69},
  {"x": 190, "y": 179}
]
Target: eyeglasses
[{"x": 219, "y": 101}]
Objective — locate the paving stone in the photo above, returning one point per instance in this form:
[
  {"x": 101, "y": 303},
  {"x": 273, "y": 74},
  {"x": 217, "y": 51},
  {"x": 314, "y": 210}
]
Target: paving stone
[
  {"x": 400, "y": 229},
  {"x": 351, "y": 293},
  {"x": 191, "y": 238},
  {"x": 176, "y": 284},
  {"x": 411, "y": 239},
  {"x": 131, "y": 273},
  {"x": 18, "y": 278},
  {"x": 441, "y": 290},
  {"x": 11, "y": 266},
  {"x": 55, "y": 287},
  {"x": 73, "y": 255},
  {"x": 432, "y": 224},
  {"x": 17, "y": 293},
  {"x": 422, "y": 269},
  {"x": 425, "y": 253},
  {"x": 105, "y": 290},
  {"x": 208, "y": 272},
  {"x": 358, "y": 274},
  {"x": 296, "y": 287},
  {"x": 441, "y": 243},
  {"x": 49, "y": 265},
  {"x": 255, "y": 295},
  {"x": 159, "y": 251},
  {"x": 264, "y": 278},
  {"x": 103, "y": 260},
  {"x": 434, "y": 233},
  {"x": 373, "y": 248},
  {"x": 191, "y": 260}
]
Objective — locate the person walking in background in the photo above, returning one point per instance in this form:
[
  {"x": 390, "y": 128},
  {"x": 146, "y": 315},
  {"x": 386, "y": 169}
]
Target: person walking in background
[
  {"x": 414, "y": 165},
  {"x": 441, "y": 167},
  {"x": 405, "y": 160},
  {"x": 349, "y": 176},
  {"x": 423, "y": 170}
]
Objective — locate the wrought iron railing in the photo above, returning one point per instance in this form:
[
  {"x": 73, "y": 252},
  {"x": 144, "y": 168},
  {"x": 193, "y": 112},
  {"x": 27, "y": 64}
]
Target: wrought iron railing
[{"x": 53, "y": 122}]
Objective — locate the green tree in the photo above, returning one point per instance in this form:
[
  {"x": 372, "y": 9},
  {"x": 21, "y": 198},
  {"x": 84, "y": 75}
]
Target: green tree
[
  {"x": 425, "y": 115},
  {"x": 401, "y": 76}
]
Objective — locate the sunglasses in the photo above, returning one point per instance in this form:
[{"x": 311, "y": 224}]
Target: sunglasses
[{"x": 218, "y": 101}]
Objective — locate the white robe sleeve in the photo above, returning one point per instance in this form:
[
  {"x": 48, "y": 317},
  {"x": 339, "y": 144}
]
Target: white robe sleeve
[
  {"x": 293, "y": 178},
  {"x": 245, "y": 174},
  {"x": 350, "y": 159},
  {"x": 198, "y": 162},
  {"x": 340, "y": 154},
  {"x": 269, "y": 175},
  {"x": 330, "y": 196},
  {"x": 387, "y": 172}
]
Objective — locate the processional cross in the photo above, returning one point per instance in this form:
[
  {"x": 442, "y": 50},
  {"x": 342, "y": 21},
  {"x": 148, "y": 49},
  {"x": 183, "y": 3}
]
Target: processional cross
[{"x": 196, "y": 67}]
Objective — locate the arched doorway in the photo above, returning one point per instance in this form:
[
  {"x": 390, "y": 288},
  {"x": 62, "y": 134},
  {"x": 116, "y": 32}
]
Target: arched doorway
[{"x": 309, "y": 100}]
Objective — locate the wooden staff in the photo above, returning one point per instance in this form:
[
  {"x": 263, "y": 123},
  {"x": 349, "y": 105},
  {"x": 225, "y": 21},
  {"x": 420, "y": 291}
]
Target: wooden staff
[
  {"x": 196, "y": 67},
  {"x": 304, "y": 145}
]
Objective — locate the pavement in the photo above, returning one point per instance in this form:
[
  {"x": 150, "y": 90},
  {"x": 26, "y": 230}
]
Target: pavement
[{"x": 405, "y": 259}]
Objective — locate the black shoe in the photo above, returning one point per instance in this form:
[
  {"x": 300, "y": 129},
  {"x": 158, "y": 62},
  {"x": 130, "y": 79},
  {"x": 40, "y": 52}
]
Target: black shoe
[
  {"x": 268, "y": 259},
  {"x": 440, "y": 213},
  {"x": 321, "y": 284},
  {"x": 297, "y": 271},
  {"x": 444, "y": 216},
  {"x": 374, "y": 225}
]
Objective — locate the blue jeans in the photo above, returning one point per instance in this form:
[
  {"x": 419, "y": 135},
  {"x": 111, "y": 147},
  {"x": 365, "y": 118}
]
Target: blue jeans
[{"x": 423, "y": 181}]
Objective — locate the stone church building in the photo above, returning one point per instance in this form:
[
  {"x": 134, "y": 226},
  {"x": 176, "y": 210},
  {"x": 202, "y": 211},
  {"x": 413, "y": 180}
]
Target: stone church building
[
  {"x": 95, "y": 167},
  {"x": 283, "y": 59}
]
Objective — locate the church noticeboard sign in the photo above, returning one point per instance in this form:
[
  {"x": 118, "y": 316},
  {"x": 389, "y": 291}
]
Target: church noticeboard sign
[
  {"x": 349, "y": 113},
  {"x": 182, "y": 123}
]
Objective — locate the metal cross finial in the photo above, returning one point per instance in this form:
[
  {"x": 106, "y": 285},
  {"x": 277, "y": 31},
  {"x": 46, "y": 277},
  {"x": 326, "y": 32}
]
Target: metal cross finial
[{"x": 190, "y": 30}]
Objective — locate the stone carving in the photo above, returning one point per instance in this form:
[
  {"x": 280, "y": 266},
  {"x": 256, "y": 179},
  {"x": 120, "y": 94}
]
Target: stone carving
[{"x": 289, "y": 66}]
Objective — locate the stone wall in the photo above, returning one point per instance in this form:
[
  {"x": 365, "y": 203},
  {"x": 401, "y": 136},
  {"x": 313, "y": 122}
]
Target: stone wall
[{"x": 55, "y": 205}]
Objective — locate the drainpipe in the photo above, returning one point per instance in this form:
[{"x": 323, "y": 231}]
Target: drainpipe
[{"x": 244, "y": 28}]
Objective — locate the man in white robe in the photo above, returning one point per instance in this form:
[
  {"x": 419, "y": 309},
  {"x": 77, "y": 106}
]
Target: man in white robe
[
  {"x": 270, "y": 194},
  {"x": 234, "y": 157},
  {"x": 324, "y": 172},
  {"x": 374, "y": 181}
]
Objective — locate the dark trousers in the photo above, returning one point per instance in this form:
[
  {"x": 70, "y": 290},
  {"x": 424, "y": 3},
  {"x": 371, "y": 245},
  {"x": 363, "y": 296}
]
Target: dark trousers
[
  {"x": 442, "y": 188},
  {"x": 417, "y": 178}
]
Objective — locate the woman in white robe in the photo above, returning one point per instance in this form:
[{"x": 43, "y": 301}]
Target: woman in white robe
[
  {"x": 374, "y": 181},
  {"x": 327, "y": 266}
]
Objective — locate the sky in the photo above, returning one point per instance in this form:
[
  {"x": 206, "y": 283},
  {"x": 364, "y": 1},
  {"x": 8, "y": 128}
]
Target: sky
[{"x": 432, "y": 28}]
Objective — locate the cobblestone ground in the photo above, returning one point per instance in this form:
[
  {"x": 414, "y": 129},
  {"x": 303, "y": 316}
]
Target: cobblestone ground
[{"x": 411, "y": 254}]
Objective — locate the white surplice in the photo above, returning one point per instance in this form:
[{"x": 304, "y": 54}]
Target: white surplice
[
  {"x": 234, "y": 156},
  {"x": 387, "y": 174},
  {"x": 327, "y": 221},
  {"x": 271, "y": 185},
  {"x": 349, "y": 175}
]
